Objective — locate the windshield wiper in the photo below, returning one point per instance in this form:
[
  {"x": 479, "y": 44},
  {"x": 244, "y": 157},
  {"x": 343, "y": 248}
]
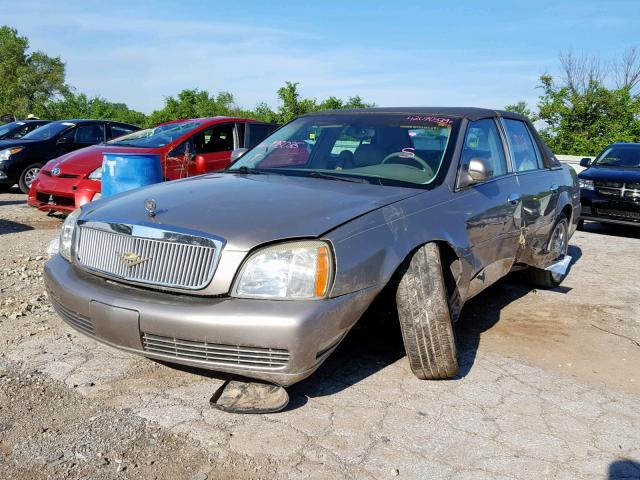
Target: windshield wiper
[
  {"x": 247, "y": 170},
  {"x": 340, "y": 178}
]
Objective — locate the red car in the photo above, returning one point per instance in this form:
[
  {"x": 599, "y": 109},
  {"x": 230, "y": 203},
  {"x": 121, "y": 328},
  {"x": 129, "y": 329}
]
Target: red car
[{"x": 186, "y": 148}]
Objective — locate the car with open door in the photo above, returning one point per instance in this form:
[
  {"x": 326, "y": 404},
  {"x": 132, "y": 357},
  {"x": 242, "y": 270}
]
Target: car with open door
[
  {"x": 186, "y": 148},
  {"x": 19, "y": 128},
  {"x": 263, "y": 268},
  {"x": 22, "y": 159},
  {"x": 610, "y": 185}
]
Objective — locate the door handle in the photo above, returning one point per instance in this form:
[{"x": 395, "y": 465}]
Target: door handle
[
  {"x": 513, "y": 198},
  {"x": 554, "y": 187}
]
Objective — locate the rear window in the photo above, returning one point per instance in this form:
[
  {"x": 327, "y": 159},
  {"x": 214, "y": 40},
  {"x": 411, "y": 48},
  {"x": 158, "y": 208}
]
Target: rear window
[{"x": 155, "y": 137}]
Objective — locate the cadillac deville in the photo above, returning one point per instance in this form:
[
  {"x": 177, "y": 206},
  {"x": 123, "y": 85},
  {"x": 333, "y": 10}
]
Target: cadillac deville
[{"x": 262, "y": 269}]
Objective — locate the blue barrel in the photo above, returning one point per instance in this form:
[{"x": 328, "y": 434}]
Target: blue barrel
[{"x": 125, "y": 171}]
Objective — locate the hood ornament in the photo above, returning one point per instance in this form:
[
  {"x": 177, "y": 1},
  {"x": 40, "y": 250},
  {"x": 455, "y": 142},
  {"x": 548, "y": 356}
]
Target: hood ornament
[
  {"x": 131, "y": 259},
  {"x": 55, "y": 172},
  {"x": 150, "y": 207}
]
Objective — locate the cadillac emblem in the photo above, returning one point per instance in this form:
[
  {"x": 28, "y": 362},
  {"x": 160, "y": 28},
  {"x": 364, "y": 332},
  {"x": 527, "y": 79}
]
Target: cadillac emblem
[
  {"x": 150, "y": 207},
  {"x": 131, "y": 259},
  {"x": 55, "y": 172}
]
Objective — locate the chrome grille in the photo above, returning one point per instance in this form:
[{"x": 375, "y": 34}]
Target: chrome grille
[
  {"x": 618, "y": 189},
  {"x": 233, "y": 355},
  {"x": 619, "y": 213},
  {"x": 164, "y": 263},
  {"x": 77, "y": 321}
]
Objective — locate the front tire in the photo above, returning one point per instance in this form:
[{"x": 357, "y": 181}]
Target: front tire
[
  {"x": 28, "y": 175},
  {"x": 424, "y": 316},
  {"x": 559, "y": 244}
]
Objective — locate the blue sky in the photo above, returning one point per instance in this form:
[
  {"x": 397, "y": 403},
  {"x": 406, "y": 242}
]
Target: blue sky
[{"x": 394, "y": 53}]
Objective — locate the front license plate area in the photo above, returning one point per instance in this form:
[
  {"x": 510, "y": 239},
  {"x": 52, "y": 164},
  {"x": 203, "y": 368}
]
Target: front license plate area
[{"x": 120, "y": 326}]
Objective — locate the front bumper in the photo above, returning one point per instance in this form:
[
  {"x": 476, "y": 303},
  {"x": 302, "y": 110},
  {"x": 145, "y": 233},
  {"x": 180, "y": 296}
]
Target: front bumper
[
  {"x": 61, "y": 194},
  {"x": 278, "y": 341},
  {"x": 609, "y": 210}
]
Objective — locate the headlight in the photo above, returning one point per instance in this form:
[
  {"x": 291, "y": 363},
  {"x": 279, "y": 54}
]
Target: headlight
[
  {"x": 96, "y": 174},
  {"x": 291, "y": 270},
  {"x": 586, "y": 184},
  {"x": 66, "y": 234},
  {"x": 7, "y": 152}
]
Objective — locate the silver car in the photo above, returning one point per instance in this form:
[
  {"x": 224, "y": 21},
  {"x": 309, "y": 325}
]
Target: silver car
[{"x": 262, "y": 269}]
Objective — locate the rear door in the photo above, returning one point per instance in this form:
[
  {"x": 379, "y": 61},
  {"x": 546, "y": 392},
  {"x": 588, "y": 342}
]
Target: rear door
[
  {"x": 538, "y": 188},
  {"x": 491, "y": 209}
]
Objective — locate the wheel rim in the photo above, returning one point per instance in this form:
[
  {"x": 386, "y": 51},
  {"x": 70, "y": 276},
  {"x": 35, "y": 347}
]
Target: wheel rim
[
  {"x": 558, "y": 244},
  {"x": 30, "y": 175}
]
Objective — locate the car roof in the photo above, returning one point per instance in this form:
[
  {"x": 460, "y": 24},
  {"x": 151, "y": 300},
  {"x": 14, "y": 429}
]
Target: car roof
[
  {"x": 86, "y": 120},
  {"x": 470, "y": 113},
  {"x": 624, "y": 144},
  {"x": 204, "y": 119}
]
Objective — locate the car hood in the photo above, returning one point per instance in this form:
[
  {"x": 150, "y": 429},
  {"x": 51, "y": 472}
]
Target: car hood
[
  {"x": 611, "y": 174},
  {"x": 86, "y": 160},
  {"x": 248, "y": 210},
  {"x": 17, "y": 143}
]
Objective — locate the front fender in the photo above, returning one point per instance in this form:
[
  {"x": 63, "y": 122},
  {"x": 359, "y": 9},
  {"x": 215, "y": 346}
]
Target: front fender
[{"x": 370, "y": 249}]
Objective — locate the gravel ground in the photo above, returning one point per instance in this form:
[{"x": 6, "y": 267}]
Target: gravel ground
[{"x": 549, "y": 388}]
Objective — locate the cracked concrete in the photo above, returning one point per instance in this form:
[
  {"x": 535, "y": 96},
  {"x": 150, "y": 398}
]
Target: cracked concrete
[{"x": 541, "y": 394}]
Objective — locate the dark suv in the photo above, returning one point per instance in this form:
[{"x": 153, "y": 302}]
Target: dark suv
[
  {"x": 19, "y": 128},
  {"x": 610, "y": 186},
  {"x": 21, "y": 160}
]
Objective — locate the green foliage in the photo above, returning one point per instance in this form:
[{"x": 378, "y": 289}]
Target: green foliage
[
  {"x": 27, "y": 80},
  {"x": 71, "y": 105},
  {"x": 581, "y": 122},
  {"x": 292, "y": 105},
  {"x": 523, "y": 109},
  {"x": 194, "y": 103}
]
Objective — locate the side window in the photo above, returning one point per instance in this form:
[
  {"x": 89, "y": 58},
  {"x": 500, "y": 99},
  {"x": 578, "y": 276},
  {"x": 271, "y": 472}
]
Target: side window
[
  {"x": 90, "y": 134},
  {"x": 215, "y": 139},
  {"x": 536, "y": 148},
  {"x": 483, "y": 141},
  {"x": 525, "y": 157},
  {"x": 22, "y": 132},
  {"x": 120, "y": 130}
]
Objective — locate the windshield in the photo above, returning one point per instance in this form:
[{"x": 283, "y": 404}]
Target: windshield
[
  {"x": 48, "y": 131},
  {"x": 155, "y": 137},
  {"x": 380, "y": 148},
  {"x": 4, "y": 129},
  {"x": 628, "y": 157}
]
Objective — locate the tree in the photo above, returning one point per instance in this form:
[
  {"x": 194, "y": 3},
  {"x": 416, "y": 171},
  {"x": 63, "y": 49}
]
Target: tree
[
  {"x": 194, "y": 103},
  {"x": 28, "y": 79},
  {"x": 591, "y": 104},
  {"x": 523, "y": 109}
]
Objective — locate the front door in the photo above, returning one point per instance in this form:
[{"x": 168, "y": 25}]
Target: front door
[{"x": 492, "y": 209}]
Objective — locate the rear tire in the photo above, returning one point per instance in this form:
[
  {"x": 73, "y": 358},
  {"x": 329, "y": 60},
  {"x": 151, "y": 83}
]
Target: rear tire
[
  {"x": 28, "y": 175},
  {"x": 425, "y": 319},
  {"x": 580, "y": 225},
  {"x": 559, "y": 243}
]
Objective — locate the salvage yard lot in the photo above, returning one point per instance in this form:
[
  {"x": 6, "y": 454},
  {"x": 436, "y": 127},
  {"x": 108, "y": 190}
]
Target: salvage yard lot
[{"x": 549, "y": 387}]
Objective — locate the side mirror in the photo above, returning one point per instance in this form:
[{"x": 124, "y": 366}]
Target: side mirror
[
  {"x": 585, "y": 162},
  {"x": 64, "y": 141},
  {"x": 237, "y": 153},
  {"x": 479, "y": 170},
  {"x": 201, "y": 164}
]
